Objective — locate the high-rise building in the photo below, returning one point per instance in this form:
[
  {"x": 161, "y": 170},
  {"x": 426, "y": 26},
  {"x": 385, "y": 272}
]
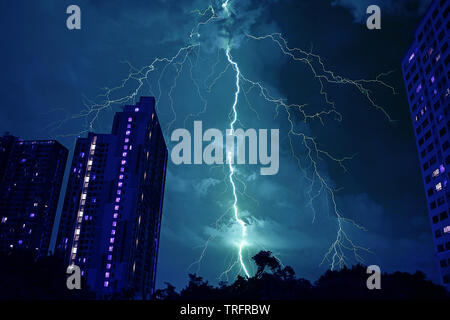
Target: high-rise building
[
  {"x": 426, "y": 75},
  {"x": 112, "y": 210},
  {"x": 31, "y": 174}
]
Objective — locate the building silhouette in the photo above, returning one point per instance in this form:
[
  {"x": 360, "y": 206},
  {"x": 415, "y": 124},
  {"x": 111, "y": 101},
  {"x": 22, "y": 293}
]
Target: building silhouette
[
  {"x": 111, "y": 216},
  {"x": 31, "y": 175},
  {"x": 426, "y": 76}
]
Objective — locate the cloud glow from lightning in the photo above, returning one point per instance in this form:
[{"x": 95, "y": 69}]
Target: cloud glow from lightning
[{"x": 149, "y": 79}]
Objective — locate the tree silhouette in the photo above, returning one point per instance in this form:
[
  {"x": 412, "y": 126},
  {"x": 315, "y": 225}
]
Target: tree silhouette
[
  {"x": 23, "y": 275},
  {"x": 263, "y": 260}
]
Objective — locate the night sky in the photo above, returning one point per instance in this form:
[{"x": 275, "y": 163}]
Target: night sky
[{"x": 49, "y": 75}]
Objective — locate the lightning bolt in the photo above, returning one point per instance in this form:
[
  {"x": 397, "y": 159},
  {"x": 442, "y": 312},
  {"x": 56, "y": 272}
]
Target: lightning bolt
[
  {"x": 230, "y": 163},
  {"x": 149, "y": 78}
]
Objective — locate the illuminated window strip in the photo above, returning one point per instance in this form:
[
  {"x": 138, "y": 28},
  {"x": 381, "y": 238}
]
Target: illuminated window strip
[
  {"x": 123, "y": 163},
  {"x": 73, "y": 252}
]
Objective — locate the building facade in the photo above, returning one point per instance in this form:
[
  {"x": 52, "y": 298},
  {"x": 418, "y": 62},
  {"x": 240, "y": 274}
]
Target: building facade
[
  {"x": 112, "y": 210},
  {"x": 31, "y": 176},
  {"x": 426, "y": 76}
]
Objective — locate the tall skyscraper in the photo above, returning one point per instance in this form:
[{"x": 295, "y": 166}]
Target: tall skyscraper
[
  {"x": 426, "y": 75},
  {"x": 31, "y": 174},
  {"x": 112, "y": 210}
]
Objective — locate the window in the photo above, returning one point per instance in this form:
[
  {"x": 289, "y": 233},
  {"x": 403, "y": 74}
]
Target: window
[
  {"x": 433, "y": 206},
  {"x": 435, "y": 173},
  {"x": 438, "y": 186}
]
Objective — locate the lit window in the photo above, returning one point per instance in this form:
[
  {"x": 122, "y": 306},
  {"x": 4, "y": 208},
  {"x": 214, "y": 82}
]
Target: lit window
[
  {"x": 111, "y": 240},
  {"x": 116, "y": 207},
  {"x": 447, "y": 229},
  {"x": 110, "y": 249},
  {"x": 136, "y": 109},
  {"x": 442, "y": 168},
  {"x": 120, "y": 184},
  {"x": 115, "y": 215},
  {"x": 130, "y": 119},
  {"x": 124, "y": 154},
  {"x": 439, "y": 187},
  {"x": 4, "y": 219},
  {"x": 31, "y": 215},
  {"x": 121, "y": 177},
  {"x": 106, "y": 274},
  {"x": 106, "y": 284},
  {"x": 108, "y": 266},
  {"x": 124, "y": 162},
  {"x": 128, "y": 132},
  {"x": 435, "y": 173},
  {"x": 411, "y": 57}
]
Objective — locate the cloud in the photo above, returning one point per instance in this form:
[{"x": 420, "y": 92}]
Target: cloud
[{"x": 203, "y": 186}]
